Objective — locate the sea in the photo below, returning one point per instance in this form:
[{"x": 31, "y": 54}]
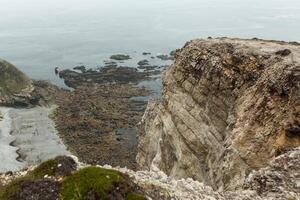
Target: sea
[{"x": 39, "y": 35}]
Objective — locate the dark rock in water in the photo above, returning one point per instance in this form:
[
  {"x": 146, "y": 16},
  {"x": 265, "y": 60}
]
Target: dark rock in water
[
  {"x": 80, "y": 68},
  {"x": 9, "y": 173},
  {"x": 172, "y": 53},
  {"x": 56, "y": 70},
  {"x": 143, "y": 62},
  {"x": 146, "y": 53},
  {"x": 164, "y": 66},
  {"x": 152, "y": 57},
  {"x": 148, "y": 67},
  {"x": 104, "y": 75},
  {"x": 110, "y": 64},
  {"x": 120, "y": 57},
  {"x": 165, "y": 57},
  {"x": 284, "y": 52}
]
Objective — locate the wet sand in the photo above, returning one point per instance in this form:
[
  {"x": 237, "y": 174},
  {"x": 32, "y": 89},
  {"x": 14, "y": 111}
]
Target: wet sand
[
  {"x": 27, "y": 137},
  {"x": 8, "y": 153}
]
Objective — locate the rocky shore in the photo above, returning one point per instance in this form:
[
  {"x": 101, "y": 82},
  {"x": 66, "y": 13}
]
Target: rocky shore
[
  {"x": 226, "y": 127},
  {"x": 101, "y": 113}
]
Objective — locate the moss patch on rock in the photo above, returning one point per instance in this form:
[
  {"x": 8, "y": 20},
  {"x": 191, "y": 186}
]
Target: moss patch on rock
[
  {"x": 98, "y": 183},
  {"x": 35, "y": 185},
  {"x": 60, "y": 166},
  {"x": 55, "y": 179}
]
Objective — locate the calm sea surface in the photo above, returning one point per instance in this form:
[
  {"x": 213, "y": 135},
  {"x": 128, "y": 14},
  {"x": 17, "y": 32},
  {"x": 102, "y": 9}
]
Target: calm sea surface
[{"x": 37, "y": 35}]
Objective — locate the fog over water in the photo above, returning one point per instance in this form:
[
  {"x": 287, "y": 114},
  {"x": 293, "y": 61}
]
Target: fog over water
[{"x": 37, "y": 35}]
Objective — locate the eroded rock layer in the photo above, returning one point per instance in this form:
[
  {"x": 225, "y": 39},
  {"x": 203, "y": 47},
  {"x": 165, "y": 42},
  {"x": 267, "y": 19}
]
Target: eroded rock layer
[{"x": 229, "y": 106}]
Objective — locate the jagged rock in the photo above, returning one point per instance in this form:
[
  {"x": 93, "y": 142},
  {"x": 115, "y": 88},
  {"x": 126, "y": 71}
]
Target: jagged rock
[
  {"x": 281, "y": 179},
  {"x": 229, "y": 106}
]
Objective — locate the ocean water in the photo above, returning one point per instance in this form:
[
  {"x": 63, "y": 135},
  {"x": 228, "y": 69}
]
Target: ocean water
[{"x": 38, "y": 35}]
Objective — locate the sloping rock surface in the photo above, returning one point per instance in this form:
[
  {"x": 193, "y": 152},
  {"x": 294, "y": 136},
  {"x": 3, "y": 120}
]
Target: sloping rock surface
[{"x": 15, "y": 87}]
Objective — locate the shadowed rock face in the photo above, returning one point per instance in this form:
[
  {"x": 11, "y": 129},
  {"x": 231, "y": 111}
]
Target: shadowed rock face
[
  {"x": 229, "y": 106},
  {"x": 15, "y": 86}
]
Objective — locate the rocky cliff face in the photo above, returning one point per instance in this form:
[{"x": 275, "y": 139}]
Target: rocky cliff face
[
  {"x": 229, "y": 106},
  {"x": 15, "y": 87}
]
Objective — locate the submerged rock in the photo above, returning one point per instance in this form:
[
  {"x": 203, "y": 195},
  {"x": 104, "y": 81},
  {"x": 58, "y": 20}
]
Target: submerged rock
[
  {"x": 143, "y": 62},
  {"x": 165, "y": 57},
  {"x": 108, "y": 74},
  {"x": 229, "y": 106},
  {"x": 110, "y": 64},
  {"x": 172, "y": 53},
  {"x": 81, "y": 68},
  {"x": 120, "y": 57}
]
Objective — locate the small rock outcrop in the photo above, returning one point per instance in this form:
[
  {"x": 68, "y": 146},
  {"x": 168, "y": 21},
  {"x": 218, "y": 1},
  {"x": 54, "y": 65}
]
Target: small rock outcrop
[
  {"x": 15, "y": 87},
  {"x": 229, "y": 107}
]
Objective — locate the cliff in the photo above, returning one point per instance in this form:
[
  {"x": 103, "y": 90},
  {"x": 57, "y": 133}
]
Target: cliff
[{"x": 229, "y": 107}]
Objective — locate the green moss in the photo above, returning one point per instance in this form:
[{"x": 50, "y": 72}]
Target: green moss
[
  {"x": 135, "y": 196},
  {"x": 46, "y": 168},
  {"x": 84, "y": 184},
  {"x": 96, "y": 181}
]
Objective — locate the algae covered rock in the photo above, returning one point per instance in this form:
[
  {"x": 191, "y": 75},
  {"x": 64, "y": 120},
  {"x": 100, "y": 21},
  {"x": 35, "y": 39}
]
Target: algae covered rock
[
  {"x": 58, "y": 179},
  {"x": 61, "y": 166},
  {"x": 98, "y": 183}
]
